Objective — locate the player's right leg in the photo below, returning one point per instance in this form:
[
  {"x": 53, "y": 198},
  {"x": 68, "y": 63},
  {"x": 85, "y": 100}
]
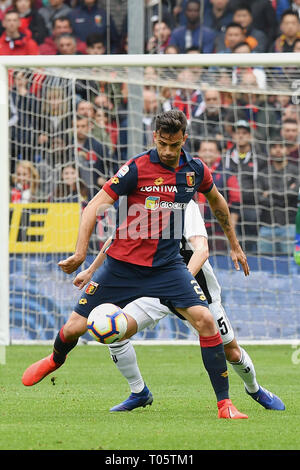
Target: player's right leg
[{"x": 65, "y": 341}]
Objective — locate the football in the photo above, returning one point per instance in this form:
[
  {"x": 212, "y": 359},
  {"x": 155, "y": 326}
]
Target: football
[{"x": 107, "y": 323}]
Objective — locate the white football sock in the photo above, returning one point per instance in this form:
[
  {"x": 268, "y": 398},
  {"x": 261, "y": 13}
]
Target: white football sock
[
  {"x": 123, "y": 355},
  {"x": 245, "y": 369}
]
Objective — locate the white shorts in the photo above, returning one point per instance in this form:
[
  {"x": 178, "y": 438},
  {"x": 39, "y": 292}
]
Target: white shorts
[{"x": 148, "y": 311}]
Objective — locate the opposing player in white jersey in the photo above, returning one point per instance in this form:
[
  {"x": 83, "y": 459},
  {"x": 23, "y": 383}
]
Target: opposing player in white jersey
[{"x": 148, "y": 311}]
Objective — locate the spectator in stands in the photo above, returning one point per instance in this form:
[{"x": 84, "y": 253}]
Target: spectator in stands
[
  {"x": 241, "y": 160},
  {"x": 264, "y": 17},
  {"x": 238, "y": 72},
  {"x": 101, "y": 127},
  {"x": 210, "y": 122},
  {"x": 22, "y": 107},
  {"x": 172, "y": 49},
  {"x": 160, "y": 38},
  {"x": 296, "y": 6},
  {"x": 54, "y": 9},
  {"x": 227, "y": 184},
  {"x": 256, "y": 39},
  {"x": 31, "y": 19},
  {"x": 280, "y": 6},
  {"x": 61, "y": 26},
  {"x": 87, "y": 18},
  {"x": 25, "y": 183},
  {"x": 150, "y": 109},
  {"x": 291, "y": 111},
  {"x": 95, "y": 44},
  {"x": 70, "y": 187},
  {"x": 105, "y": 101},
  {"x": 290, "y": 32},
  {"x": 234, "y": 34},
  {"x": 179, "y": 10},
  {"x": 13, "y": 41},
  {"x": 296, "y": 47},
  {"x": 5, "y": 5},
  {"x": 67, "y": 45},
  {"x": 53, "y": 120},
  {"x": 290, "y": 135},
  {"x": 92, "y": 157},
  {"x": 217, "y": 15},
  {"x": 254, "y": 108},
  {"x": 278, "y": 191},
  {"x": 194, "y": 33},
  {"x": 97, "y": 122}
]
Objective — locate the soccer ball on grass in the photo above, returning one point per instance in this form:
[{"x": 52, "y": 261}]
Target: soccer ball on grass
[{"x": 107, "y": 323}]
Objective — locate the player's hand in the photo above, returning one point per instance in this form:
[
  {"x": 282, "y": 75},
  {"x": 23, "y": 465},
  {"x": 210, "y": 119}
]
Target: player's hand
[
  {"x": 70, "y": 264},
  {"x": 82, "y": 278},
  {"x": 238, "y": 257}
]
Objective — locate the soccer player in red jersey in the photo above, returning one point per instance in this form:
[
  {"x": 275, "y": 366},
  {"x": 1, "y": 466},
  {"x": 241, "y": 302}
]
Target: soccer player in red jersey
[{"x": 144, "y": 257}]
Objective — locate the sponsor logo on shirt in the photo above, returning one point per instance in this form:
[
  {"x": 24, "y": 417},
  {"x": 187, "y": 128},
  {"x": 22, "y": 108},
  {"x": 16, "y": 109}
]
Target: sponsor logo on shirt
[
  {"x": 152, "y": 202},
  {"x": 163, "y": 189}
]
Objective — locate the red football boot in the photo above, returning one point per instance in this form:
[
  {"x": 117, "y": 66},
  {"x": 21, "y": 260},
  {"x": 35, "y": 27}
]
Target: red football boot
[
  {"x": 40, "y": 369},
  {"x": 228, "y": 411}
]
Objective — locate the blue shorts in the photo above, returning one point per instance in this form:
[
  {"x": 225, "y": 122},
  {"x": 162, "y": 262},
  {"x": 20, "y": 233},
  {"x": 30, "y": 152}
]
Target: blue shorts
[{"x": 119, "y": 283}]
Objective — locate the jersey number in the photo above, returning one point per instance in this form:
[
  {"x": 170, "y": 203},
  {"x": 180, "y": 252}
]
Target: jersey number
[{"x": 222, "y": 326}]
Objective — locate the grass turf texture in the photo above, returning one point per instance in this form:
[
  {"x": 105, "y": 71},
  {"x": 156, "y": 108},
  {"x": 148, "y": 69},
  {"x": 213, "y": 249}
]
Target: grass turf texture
[{"x": 69, "y": 409}]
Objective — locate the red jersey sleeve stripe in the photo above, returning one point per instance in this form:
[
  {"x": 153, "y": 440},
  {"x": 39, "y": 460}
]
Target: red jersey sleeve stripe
[{"x": 110, "y": 192}]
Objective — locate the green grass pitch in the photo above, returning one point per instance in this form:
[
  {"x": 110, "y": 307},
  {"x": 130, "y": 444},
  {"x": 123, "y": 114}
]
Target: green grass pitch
[{"x": 69, "y": 409}]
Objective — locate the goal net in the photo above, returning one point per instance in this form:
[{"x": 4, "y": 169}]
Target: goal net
[{"x": 71, "y": 128}]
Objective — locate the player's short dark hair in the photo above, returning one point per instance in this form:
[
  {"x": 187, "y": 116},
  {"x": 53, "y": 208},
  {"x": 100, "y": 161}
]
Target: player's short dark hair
[
  {"x": 171, "y": 122},
  {"x": 287, "y": 12}
]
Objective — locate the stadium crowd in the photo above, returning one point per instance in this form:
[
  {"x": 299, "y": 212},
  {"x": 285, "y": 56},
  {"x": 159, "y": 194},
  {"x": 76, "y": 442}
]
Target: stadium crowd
[{"x": 249, "y": 139}]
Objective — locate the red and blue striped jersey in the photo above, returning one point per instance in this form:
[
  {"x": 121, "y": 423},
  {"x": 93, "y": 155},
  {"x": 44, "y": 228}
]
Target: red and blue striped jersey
[{"x": 153, "y": 196}]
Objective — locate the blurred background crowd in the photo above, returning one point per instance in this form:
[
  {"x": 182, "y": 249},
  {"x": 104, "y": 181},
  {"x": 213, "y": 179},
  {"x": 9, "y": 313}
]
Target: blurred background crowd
[{"x": 68, "y": 136}]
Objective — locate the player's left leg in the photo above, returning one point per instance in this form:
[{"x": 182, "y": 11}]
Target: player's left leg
[{"x": 241, "y": 361}]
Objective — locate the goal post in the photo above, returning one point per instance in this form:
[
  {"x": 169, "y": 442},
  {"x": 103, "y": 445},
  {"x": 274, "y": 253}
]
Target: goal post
[{"x": 26, "y": 314}]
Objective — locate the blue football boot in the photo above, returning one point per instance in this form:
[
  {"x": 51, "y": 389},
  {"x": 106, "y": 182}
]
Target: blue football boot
[
  {"x": 267, "y": 399},
  {"x": 135, "y": 400}
]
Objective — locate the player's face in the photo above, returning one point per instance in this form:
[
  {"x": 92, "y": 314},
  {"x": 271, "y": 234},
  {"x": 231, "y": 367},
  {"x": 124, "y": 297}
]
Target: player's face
[{"x": 169, "y": 147}]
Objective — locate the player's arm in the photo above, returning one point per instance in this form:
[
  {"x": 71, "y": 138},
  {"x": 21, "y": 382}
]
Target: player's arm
[
  {"x": 86, "y": 275},
  {"x": 95, "y": 207},
  {"x": 221, "y": 211},
  {"x": 200, "y": 255}
]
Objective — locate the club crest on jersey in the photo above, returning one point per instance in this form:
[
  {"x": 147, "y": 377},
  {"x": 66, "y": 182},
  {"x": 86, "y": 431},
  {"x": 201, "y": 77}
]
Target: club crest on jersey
[
  {"x": 152, "y": 202},
  {"x": 190, "y": 178},
  {"x": 91, "y": 288}
]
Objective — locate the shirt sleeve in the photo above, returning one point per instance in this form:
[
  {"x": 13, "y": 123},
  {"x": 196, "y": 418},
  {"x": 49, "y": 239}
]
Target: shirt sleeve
[
  {"x": 207, "y": 181},
  {"x": 124, "y": 182},
  {"x": 193, "y": 221}
]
